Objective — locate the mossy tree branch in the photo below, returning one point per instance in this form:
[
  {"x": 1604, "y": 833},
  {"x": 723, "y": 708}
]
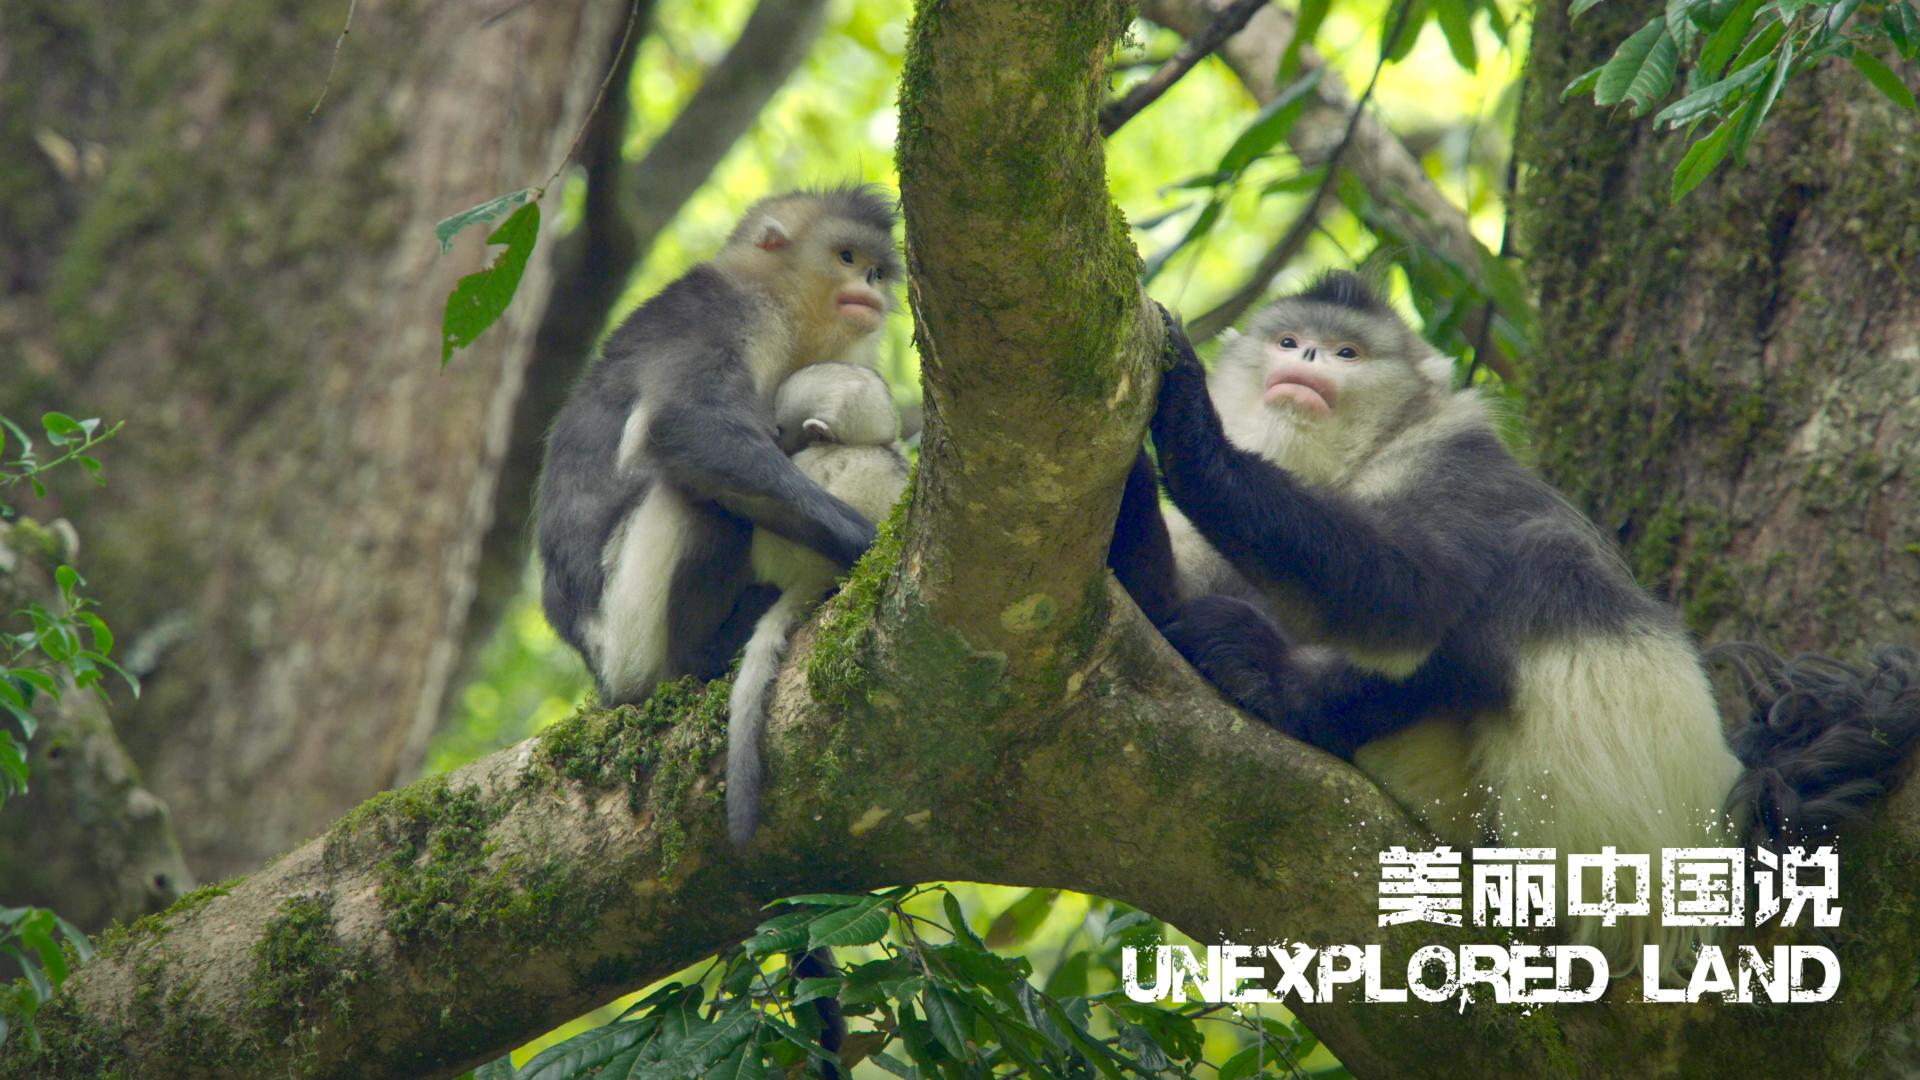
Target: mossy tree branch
[{"x": 979, "y": 703}]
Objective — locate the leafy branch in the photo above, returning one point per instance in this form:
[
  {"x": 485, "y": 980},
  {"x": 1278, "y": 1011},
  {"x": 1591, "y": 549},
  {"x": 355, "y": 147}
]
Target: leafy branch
[
  {"x": 938, "y": 1002},
  {"x": 60, "y": 648},
  {"x": 1741, "y": 54}
]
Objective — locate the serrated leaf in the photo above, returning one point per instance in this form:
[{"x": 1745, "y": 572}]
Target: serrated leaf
[
  {"x": 1632, "y": 60},
  {"x": 1701, "y": 159},
  {"x": 480, "y": 298},
  {"x": 587, "y": 1050},
  {"x": 447, "y": 228},
  {"x": 1884, "y": 80},
  {"x": 1710, "y": 98},
  {"x": 849, "y": 926}
]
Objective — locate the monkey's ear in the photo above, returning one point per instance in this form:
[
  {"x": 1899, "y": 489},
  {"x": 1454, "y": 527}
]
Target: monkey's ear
[
  {"x": 772, "y": 236},
  {"x": 817, "y": 428}
]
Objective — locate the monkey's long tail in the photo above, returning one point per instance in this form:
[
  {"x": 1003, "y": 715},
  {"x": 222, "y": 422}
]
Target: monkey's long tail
[
  {"x": 747, "y": 715},
  {"x": 1822, "y": 741}
]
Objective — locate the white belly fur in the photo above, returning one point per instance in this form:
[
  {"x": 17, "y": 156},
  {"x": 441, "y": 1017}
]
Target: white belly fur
[
  {"x": 1612, "y": 741},
  {"x": 628, "y": 635}
]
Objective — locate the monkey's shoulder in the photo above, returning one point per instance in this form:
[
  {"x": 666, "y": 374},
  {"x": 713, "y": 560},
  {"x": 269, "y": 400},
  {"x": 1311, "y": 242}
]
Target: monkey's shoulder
[{"x": 696, "y": 325}]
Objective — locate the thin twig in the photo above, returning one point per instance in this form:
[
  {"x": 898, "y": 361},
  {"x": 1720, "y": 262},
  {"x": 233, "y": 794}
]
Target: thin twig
[
  {"x": 335, "y": 62},
  {"x": 1223, "y": 314},
  {"x": 626, "y": 38},
  {"x": 1148, "y": 90}
]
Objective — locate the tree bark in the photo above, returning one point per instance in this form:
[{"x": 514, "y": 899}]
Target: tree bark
[
  {"x": 256, "y": 293},
  {"x": 980, "y": 702},
  {"x": 1732, "y": 386}
]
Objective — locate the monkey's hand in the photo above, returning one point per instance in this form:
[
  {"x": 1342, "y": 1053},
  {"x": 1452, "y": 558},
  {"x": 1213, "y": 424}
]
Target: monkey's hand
[
  {"x": 1238, "y": 648},
  {"x": 1186, "y": 428}
]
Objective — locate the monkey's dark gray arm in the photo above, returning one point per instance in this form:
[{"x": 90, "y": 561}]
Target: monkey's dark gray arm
[
  {"x": 729, "y": 457},
  {"x": 1375, "y": 573}
]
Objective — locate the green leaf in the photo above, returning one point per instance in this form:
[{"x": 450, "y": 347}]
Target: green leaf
[
  {"x": 893, "y": 1065},
  {"x": 1582, "y": 83},
  {"x": 1306, "y": 26},
  {"x": 587, "y": 1050},
  {"x": 1762, "y": 44},
  {"x": 1902, "y": 24},
  {"x": 1756, "y": 109},
  {"x": 1270, "y": 124},
  {"x": 1581, "y": 7},
  {"x": 824, "y": 899},
  {"x": 1641, "y": 69},
  {"x": 1394, "y": 50},
  {"x": 849, "y": 926},
  {"x": 783, "y": 934},
  {"x": 1021, "y": 918},
  {"x": 1839, "y": 13},
  {"x": 26, "y": 444},
  {"x": 66, "y": 577},
  {"x": 1884, "y": 80},
  {"x": 743, "y": 1064},
  {"x": 500, "y": 1068},
  {"x": 963, "y": 935},
  {"x": 947, "y": 1015},
  {"x": 1242, "y": 1064},
  {"x": 1680, "y": 24},
  {"x": 61, "y": 428},
  {"x": 1456, "y": 24},
  {"x": 1070, "y": 978},
  {"x": 806, "y": 990},
  {"x": 1726, "y": 38},
  {"x": 1710, "y": 98},
  {"x": 1701, "y": 159},
  {"x": 476, "y": 215},
  {"x": 480, "y": 298}
]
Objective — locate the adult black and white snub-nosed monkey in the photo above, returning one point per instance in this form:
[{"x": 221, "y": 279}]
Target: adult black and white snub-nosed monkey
[{"x": 1354, "y": 557}]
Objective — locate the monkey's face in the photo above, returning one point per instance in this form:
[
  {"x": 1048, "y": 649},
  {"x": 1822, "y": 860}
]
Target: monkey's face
[{"x": 1319, "y": 372}]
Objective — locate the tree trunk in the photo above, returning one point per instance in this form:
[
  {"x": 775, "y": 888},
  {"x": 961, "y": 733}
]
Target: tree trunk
[
  {"x": 1733, "y": 385},
  {"x": 257, "y": 293}
]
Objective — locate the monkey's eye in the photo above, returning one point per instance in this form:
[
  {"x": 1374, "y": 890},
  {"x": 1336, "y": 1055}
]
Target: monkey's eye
[
  {"x": 1348, "y": 352},
  {"x": 1287, "y": 342},
  {"x": 846, "y": 256}
]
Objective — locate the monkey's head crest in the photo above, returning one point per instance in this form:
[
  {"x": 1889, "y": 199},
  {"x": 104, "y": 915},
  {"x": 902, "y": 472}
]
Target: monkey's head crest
[{"x": 1343, "y": 288}]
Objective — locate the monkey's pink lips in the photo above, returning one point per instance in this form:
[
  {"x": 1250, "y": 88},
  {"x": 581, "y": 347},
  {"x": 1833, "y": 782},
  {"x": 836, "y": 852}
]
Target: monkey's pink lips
[
  {"x": 863, "y": 308},
  {"x": 1314, "y": 394}
]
